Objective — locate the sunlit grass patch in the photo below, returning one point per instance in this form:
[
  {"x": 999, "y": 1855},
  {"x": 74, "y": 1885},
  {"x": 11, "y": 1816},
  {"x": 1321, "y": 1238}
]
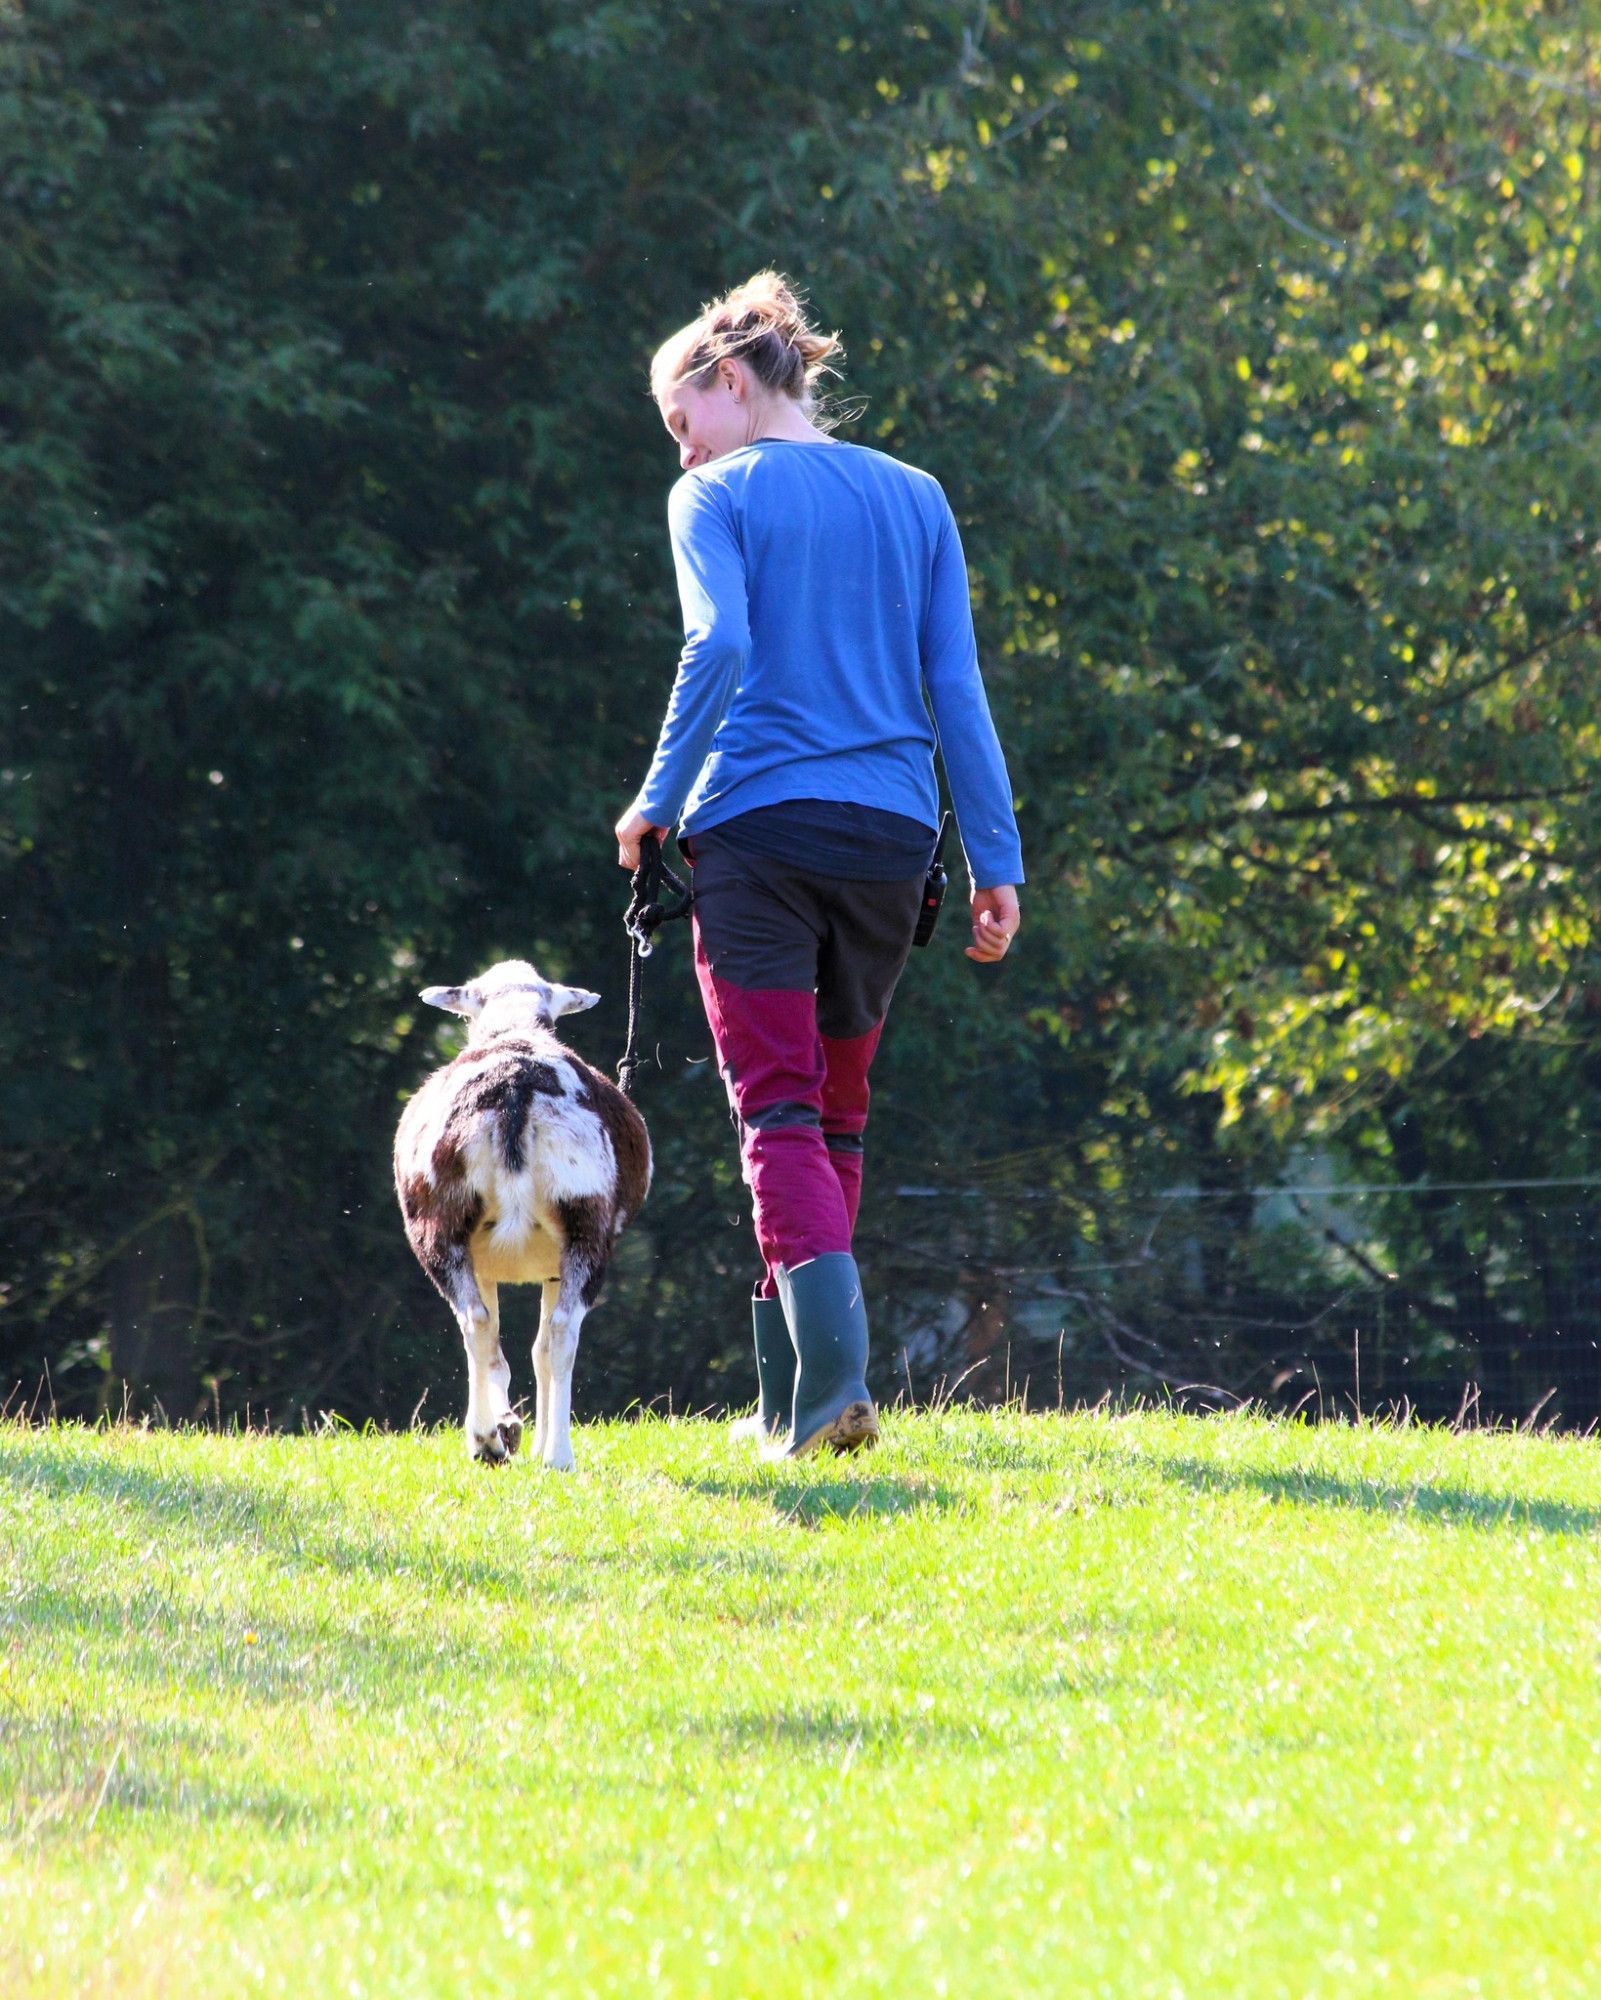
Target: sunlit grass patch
[{"x": 1107, "y": 1703}]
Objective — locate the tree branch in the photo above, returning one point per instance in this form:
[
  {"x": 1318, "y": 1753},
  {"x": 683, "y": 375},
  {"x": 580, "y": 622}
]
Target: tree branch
[
  {"x": 1454, "y": 699},
  {"x": 1403, "y": 802},
  {"x": 1463, "y": 53}
]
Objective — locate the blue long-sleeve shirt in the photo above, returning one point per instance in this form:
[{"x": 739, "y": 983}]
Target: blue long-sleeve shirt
[{"x": 824, "y": 590}]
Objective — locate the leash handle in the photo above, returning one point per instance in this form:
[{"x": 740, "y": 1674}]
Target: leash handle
[{"x": 645, "y": 913}]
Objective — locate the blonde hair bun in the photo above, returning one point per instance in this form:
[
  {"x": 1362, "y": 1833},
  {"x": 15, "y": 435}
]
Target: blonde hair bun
[{"x": 762, "y": 323}]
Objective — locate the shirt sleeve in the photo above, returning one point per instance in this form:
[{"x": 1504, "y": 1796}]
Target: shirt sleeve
[
  {"x": 711, "y": 588},
  {"x": 981, "y": 791}
]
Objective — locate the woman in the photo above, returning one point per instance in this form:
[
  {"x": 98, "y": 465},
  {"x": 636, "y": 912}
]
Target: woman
[{"x": 824, "y": 590}]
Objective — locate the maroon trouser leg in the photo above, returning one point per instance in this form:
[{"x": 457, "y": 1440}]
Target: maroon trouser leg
[
  {"x": 845, "y": 1095},
  {"x": 796, "y": 972},
  {"x": 772, "y": 1060}
]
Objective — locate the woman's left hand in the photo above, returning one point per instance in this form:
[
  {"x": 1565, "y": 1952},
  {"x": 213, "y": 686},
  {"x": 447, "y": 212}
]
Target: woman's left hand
[
  {"x": 996, "y": 918},
  {"x": 630, "y": 830}
]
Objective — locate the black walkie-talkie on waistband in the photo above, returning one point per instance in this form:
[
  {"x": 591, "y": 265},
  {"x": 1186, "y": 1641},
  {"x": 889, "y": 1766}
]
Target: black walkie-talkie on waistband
[{"x": 933, "y": 888}]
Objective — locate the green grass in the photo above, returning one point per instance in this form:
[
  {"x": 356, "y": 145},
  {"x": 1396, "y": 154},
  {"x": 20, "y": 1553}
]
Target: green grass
[{"x": 1123, "y": 1705}]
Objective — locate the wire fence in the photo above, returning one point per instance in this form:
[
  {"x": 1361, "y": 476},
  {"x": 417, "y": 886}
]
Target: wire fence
[{"x": 1442, "y": 1297}]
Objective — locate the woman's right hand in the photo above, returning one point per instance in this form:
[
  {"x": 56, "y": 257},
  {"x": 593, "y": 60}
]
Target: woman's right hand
[
  {"x": 996, "y": 918},
  {"x": 630, "y": 831}
]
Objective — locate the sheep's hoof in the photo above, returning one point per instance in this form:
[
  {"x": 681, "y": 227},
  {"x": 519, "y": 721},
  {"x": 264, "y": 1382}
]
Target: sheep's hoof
[{"x": 498, "y": 1446}]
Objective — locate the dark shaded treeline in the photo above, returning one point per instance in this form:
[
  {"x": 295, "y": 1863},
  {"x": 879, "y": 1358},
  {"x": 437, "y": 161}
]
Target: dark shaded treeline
[{"x": 336, "y": 618}]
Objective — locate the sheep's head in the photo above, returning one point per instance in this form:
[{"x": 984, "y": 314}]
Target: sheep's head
[{"x": 507, "y": 993}]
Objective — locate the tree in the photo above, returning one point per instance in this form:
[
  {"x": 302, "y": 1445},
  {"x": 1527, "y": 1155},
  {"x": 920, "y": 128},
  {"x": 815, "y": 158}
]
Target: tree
[{"x": 1248, "y": 341}]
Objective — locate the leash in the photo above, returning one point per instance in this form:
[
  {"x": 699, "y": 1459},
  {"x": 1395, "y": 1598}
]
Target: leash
[{"x": 646, "y": 914}]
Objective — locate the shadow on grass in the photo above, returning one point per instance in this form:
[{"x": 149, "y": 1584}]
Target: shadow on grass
[
  {"x": 156, "y": 1636},
  {"x": 293, "y": 1527},
  {"x": 977, "y": 1451},
  {"x": 302, "y": 1531},
  {"x": 833, "y": 1732},
  {"x": 1451, "y": 1505},
  {"x": 63, "y": 1771},
  {"x": 812, "y": 1502}
]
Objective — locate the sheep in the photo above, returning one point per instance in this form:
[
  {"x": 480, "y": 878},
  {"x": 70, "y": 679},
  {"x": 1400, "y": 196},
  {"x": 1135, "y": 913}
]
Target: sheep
[{"x": 518, "y": 1164}]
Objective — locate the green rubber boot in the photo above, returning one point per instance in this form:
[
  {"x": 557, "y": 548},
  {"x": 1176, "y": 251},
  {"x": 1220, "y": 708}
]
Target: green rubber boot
[
  {"x": 827, "y": 1318},
  {"x": 775, "y": 1376}
]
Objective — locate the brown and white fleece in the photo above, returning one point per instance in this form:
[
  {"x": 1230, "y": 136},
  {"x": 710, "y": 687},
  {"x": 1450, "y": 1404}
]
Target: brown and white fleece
[{"x": 518, "y": 1163}]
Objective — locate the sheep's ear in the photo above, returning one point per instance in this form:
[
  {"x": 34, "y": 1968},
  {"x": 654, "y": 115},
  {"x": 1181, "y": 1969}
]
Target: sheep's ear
[
  {"x": 454, "y": 999},
  {"x": 570, "y": 1000}
]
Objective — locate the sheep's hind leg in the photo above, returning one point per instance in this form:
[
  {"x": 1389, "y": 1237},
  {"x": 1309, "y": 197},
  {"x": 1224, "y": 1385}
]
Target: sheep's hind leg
[
  {"x": 493, "y": 1433},
  {"x": 507, "y": 1424},
  {"x": 558, "y": 1335},
  {"x": 549, "y": 1294}
]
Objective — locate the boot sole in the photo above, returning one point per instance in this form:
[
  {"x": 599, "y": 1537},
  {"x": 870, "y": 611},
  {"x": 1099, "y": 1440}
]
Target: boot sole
[{"x": 854, "y": 1429}]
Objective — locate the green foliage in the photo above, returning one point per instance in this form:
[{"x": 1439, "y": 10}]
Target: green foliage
[{"x": 1253, "y": 344}]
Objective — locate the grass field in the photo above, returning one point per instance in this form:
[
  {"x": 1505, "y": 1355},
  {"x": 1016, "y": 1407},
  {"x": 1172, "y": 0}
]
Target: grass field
[{"x": 1101, "y": 1704}]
